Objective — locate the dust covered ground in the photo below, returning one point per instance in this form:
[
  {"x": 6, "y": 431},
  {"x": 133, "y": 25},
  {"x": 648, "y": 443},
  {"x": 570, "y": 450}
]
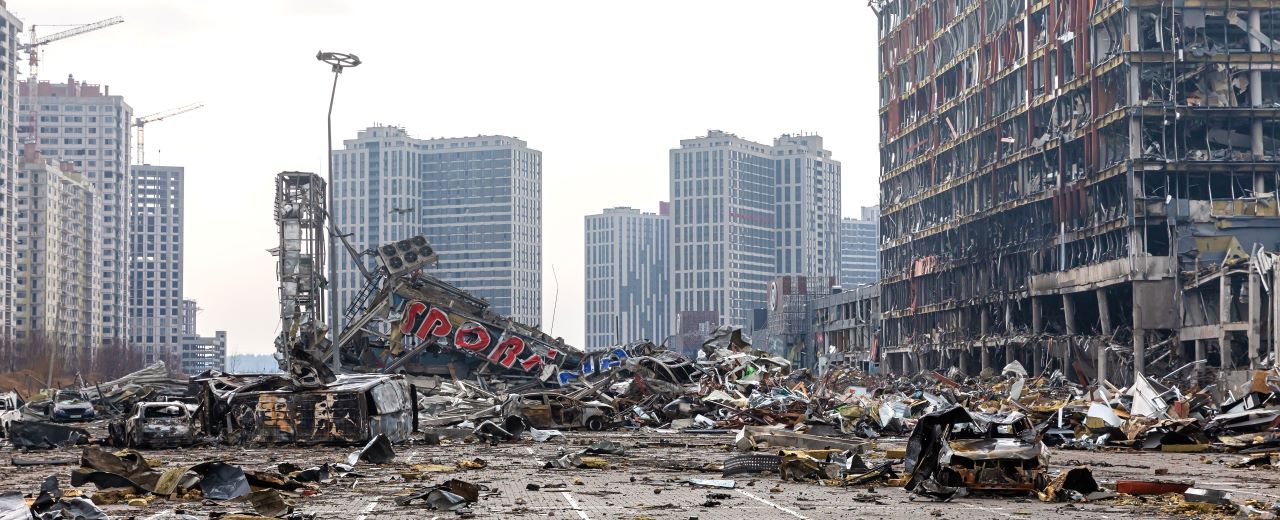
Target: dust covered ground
[{"x": 647, "y": 483}]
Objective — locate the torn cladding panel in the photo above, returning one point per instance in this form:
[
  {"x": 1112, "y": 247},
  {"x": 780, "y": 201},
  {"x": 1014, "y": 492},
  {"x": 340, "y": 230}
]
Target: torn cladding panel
[{"x": 1062, "y": 183}]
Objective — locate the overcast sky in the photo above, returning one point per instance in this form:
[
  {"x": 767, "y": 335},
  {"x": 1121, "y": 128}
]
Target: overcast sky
[{"x": 603, "y": 89}]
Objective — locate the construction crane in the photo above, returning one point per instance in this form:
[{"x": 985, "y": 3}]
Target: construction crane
[
  {"x": 141, "y": 124},
  {"x": 33, "y": 49}
]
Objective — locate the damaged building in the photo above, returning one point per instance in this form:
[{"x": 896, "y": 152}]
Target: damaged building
[{"x": 1085, "y": 186}]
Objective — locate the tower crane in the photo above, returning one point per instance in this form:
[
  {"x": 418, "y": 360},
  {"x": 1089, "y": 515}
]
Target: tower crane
[
  {"x": 141, "y": 124},
  {"x": 33, "y": 49}
]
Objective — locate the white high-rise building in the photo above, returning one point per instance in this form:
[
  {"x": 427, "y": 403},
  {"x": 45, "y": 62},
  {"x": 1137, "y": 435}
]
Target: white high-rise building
[
  {"x": 478, "y": 200},
  {"x": 57, "y": 286},
  {"x": 722, "y": 216},
  {"x": 807, "y": 207},
  {"x": 628, "y": 277},
  {"x": 88, "y": 127},
  {"x": 155, "y": 253},
  {"x": 10, "y": 26}
]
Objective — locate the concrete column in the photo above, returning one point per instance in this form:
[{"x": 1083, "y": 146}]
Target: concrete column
[
  {"x": 1102, "y": 361},
  {"x": 1255, "y": 91},
  {"x": 964, "y": 360},
  {"x": 984, "y": 324},
  {"x": 1200, "y": 355},
  {"x": 1255, "y": 316},
  {"x": 1275, "y": 316},
  {"x": 1139, "y": 353},
  {"x": 1104, "y": 311},
  {"x": 1008, "y": 354},
  {"x": 1037, "y": 316},
  {"x": 1008, "y": 317},
  {"x": 1224, "y": 317},
  {"x": 1037, "y": 358},
  {"x": 1069, "y": 313}
]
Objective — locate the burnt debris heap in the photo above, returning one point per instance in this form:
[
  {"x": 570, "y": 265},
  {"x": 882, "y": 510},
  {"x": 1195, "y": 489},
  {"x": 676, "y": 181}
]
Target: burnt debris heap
[{"x": 1087, "y": 186}]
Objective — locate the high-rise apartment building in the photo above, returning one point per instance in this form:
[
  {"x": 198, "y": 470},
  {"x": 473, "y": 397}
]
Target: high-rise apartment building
[
  {"x": 628, "y": 277},
  {"x": 200, "y": 353},
  {"x": 806, "y": 207},
  {"x": 860, "y": 248},
  {"x": 57, "y": 282},
  {"x": 477, "y": 199},
  {"x": 744, "y": 213},
  {"x": 1059, "y": 177},
  {"x": 155, "y": 284},
  {"x": 10, "y": 26},
  {"x": 88, "y": 127},
  {"x": 722, "y": 221},
  {"x": 189, "y": 311}
]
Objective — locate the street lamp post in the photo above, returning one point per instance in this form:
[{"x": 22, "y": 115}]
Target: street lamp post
[{"x": 337, "y": 61}]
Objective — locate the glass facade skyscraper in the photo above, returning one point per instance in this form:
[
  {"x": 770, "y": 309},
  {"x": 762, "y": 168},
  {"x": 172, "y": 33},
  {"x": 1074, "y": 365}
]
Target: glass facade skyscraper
[
  {"x": 477, "y": 199},
  {"x": 744, "y": 213},
  {"x": 860, "y": 248},
  {"x": 627, "y": 277}
]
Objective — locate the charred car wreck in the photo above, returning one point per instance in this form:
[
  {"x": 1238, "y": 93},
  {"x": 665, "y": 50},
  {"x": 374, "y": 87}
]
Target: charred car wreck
[
  {"x": 156, "y": 425},
  {"x": 353, "y": 409},
  {"x": 953, "y": 450}
]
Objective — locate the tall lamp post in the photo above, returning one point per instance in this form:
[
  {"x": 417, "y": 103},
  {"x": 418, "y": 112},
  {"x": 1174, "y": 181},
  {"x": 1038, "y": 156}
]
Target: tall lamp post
[{"x": 337, "y": 61}]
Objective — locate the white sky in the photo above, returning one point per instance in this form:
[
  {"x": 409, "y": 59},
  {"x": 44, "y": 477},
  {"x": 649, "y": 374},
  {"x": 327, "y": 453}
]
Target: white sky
[{"x": 603, "y": 89}]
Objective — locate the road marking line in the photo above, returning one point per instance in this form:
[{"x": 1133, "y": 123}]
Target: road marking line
[
  {"x": 574, "y": 504},
  {"x": 771, "y": 504},
  {"x": 368, "y": 510},
  {"x": 1238, "y": 490},
  {"x": 158, "y": 515},
  {"x": 987, "y": 509}
]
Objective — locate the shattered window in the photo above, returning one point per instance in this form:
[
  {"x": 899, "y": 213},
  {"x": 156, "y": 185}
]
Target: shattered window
[{"x": 160, "y": 412}]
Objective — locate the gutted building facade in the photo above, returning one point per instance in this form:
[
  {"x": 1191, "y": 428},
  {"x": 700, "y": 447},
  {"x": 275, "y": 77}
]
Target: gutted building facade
[{"x": 1084, "y": 185}]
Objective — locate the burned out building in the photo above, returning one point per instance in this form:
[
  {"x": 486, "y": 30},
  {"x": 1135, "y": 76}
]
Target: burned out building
[
  {"x": 846, "y": 327},
  {"x": 1079, "y": 185}
]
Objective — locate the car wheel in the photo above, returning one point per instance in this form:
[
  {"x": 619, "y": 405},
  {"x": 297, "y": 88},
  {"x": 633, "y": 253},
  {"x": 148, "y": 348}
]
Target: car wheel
[{"x": 595, "y": 423}]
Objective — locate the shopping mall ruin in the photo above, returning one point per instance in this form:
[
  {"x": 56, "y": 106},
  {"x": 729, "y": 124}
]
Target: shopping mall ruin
[{"x": 1087, "y": 186}]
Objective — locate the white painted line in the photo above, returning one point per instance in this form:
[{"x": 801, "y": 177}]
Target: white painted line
[
  {"x": 574, "y": 504},
  {"x": 1236, "y": 489},
  {"x": 368, "y": 510},
  {"x": 158, "y": 515},
  {"x": 987, "y": 509},
  {"x": 771, "y": 504}
]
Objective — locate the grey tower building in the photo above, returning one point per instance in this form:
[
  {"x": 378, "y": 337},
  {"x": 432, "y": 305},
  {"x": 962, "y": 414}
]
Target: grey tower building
[
  {"x": 722, "y": 214},
  {"x": 85, "y": 125},
  {"x": 477, "y": 199},
  {"x": 744, "y": 213},
  {"x": 628, "y": 277},
  {"x": 155, "y": 262},
  {"x": 860, "y": 248},
  {"x": 10, "y": 26},
  {"x": 807, "y": 207}
]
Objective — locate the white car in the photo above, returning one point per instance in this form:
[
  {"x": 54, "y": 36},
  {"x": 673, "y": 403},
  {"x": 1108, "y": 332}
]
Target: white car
[{"x": 10, "y": 410}]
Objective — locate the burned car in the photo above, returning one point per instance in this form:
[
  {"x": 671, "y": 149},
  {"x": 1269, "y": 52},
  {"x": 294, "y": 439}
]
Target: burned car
[
  {"x": 955, "y": 449},
  {"x": 550, "y": 410},
  {"x": 155, "y": 424},
  {"x": 69, "y": 406}
]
